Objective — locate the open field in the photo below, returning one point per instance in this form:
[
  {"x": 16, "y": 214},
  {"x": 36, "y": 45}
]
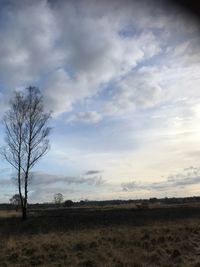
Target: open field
[{"x": 89, "y": 237}]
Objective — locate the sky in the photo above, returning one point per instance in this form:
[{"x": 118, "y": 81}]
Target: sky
[{"x": 122, "y": 80}]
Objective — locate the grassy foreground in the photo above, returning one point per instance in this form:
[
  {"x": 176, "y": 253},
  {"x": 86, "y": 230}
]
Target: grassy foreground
[{"x": 87, "y": 237}]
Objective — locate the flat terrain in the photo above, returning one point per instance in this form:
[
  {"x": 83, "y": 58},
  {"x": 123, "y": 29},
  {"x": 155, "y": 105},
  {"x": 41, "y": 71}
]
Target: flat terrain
[{"x": 122, "y": 236}]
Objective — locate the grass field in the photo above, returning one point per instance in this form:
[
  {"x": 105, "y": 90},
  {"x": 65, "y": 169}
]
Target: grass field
[{"x": 90, "y": 237}]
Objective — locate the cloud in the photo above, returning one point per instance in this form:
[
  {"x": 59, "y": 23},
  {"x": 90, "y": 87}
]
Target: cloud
[
  {"x": 186, "y": 52},
  {"x": 189, "y": 176},
  {"x": 139, "y": 89},
  {"x": 92, "y": 172},
  {"x": 28, "y": 34},
  {"x": 86, "y": 117},
  {"x": 46, "y": 194},
  {"x": 44, "y": 185},
  {"x": 41, "y": 178},
  {"x": 38, "y": 45},
  {"x": 96, "y": 66}
]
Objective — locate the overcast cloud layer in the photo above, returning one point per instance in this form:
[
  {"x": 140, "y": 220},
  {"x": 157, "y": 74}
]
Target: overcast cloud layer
[{"x": 122, "y": 79}]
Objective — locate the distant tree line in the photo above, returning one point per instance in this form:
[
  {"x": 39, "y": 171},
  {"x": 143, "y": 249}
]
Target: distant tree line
[{"x": 83, "y": 203}]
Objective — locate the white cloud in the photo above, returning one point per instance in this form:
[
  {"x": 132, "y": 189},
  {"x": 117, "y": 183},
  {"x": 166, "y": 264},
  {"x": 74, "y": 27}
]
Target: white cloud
[
  {"x": 28, "y": 35},
  {"x": 86, "y": 117},
  {"x": 95, "y": 63},
  {"x": 137, "y": 90}
]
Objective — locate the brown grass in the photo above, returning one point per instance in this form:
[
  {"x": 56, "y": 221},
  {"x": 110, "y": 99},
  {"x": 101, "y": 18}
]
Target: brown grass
[
  {"x": 9, "y": 213},
  {"x": 167, "y": 243}
]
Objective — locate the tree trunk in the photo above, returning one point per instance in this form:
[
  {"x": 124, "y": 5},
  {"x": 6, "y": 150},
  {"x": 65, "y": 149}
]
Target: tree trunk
[{"x": 24, "y": 213}]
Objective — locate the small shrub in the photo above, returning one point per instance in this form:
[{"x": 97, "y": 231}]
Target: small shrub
[{"x": 68, "y": 203}]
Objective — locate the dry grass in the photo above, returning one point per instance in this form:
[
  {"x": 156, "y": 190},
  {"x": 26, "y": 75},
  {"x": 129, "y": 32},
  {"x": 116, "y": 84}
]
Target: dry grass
[
  {"x": 9, "y": 213},
  {"x": 170, "y": 243}
]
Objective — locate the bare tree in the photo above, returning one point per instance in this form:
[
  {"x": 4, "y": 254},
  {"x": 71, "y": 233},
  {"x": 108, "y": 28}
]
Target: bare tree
[
  {"x": 27, "y": 131},
  {"x": 58, "y": 198},
  {"x": 15, "y": 201}
]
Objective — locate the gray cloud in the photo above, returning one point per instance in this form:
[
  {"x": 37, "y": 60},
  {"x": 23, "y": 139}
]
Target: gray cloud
[
  {"x": 56, "y": 182},
  {"x": 189, "y": 176},
  {"x": 93, "y": 172},
  {"x": 44, "y": 185},
  {"x": 41, "y": 178},
  {"x": 47, "y": 194}
]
